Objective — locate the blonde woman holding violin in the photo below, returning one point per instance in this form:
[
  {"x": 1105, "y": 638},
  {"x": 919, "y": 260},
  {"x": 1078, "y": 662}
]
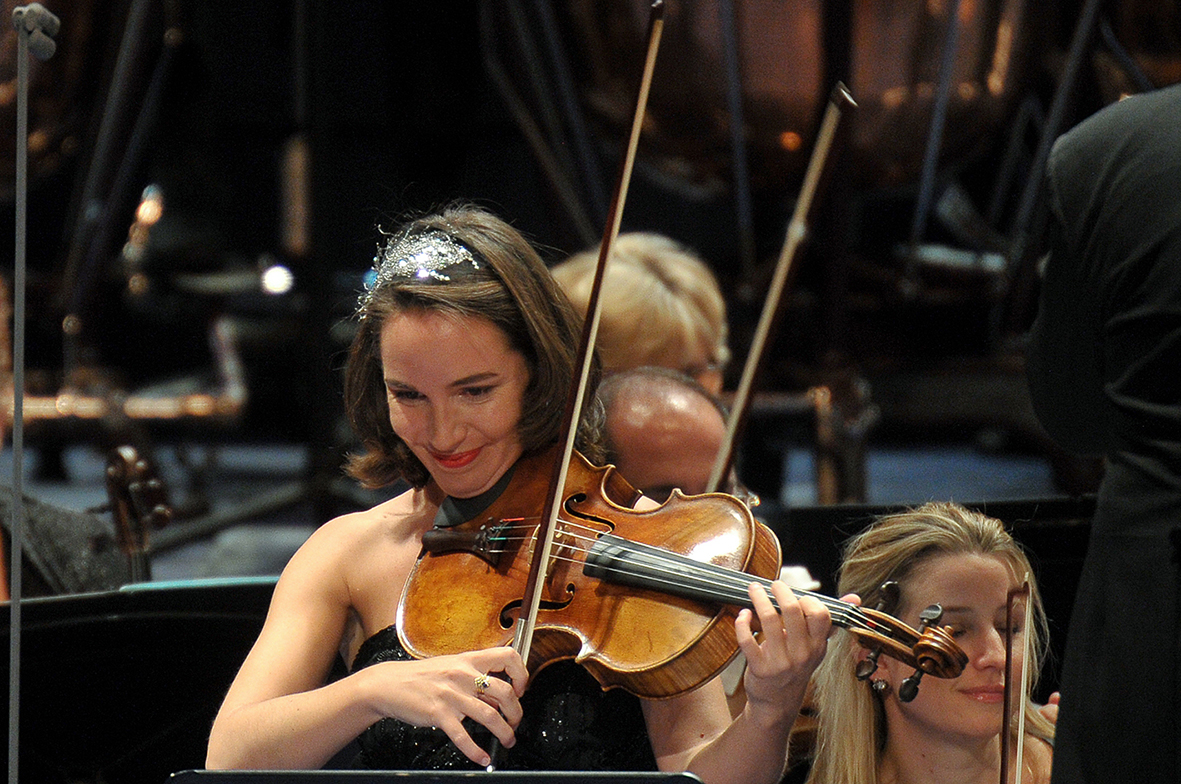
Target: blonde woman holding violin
[
  {"x": 462, "y": 356},
  {"x": 950, "y": 733}
]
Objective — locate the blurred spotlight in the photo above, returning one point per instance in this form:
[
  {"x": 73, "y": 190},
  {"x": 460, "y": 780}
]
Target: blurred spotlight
[
  {"x": 277, "y": 279},
  {"x": 134, "y": 252},
  {"x": 151, "y": 205},
  {"x": 790, "y": 141}
]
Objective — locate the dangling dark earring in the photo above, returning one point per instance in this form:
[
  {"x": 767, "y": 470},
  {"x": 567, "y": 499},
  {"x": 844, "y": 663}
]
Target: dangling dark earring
[{"x": 880, "y": 687}]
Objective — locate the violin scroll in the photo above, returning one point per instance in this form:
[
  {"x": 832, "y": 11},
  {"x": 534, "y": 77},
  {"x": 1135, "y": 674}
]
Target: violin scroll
[
  {"x": 930, "y": 650},
  {"x": 139, "y": 504},
  {"x": 938, "y": 654},
  {"x": 910, "y": 685}
]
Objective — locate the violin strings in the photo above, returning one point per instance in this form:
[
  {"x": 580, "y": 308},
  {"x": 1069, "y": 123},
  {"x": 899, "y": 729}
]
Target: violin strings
[
  {"x": 720, "y": 583},
  {"x": 669, "y": 570},
  {"x": 726, "y": 584}
]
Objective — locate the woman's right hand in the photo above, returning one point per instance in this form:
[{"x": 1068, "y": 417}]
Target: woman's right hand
[{"x": 444, "y": 690}]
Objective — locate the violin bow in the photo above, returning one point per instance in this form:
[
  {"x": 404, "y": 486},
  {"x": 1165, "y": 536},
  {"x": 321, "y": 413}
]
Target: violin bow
[
  {"x": 523, "y": 637},
  {"x": 1014, "y": 699},
  {"x": 797, "y": 230}
]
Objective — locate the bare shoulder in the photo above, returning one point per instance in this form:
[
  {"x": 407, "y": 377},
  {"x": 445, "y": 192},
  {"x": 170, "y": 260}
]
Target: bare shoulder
[
  {"x": 319, "y": 574},
  {"x": 342, "y": 538},
  {"x": 340, "y": 554},
  {"x": 341, "y": 581},
  {"x": 363, "y": 559}
]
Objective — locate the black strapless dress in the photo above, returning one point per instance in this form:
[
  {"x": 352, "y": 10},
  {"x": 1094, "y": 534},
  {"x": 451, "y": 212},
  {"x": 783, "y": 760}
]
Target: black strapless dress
[{"x": 570, "y": 723}]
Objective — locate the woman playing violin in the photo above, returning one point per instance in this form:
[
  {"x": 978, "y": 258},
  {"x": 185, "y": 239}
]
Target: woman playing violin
[
  {"x": 463, "y": 352},
  {"x": 951, "y": 731}
]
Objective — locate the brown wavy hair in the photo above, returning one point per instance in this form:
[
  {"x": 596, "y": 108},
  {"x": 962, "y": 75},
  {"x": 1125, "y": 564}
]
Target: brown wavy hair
[{"x": 511, "y": 287}]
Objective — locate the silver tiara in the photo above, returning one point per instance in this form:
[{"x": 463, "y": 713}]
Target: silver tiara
[{"x": 422, "y": 255}]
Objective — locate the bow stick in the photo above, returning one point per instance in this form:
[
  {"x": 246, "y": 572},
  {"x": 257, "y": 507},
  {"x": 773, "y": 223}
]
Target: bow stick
[
  {"x": 522, "y": 639},
  {"x": 531, "y": 601},
  {"x": 797, "y": 231},
  {"x": 1014, "y": 699}
]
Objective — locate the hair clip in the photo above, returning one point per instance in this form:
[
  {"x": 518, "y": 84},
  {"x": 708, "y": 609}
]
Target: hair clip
[{"x": 421, "y": 255}]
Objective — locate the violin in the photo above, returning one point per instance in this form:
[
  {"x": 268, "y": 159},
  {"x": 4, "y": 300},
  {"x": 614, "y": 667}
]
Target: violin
[{"x": 644, "y": 600}]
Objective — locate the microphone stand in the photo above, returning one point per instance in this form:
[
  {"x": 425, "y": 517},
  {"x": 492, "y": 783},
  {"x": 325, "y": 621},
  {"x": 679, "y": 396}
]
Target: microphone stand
[{"x": 35, "y": 28}]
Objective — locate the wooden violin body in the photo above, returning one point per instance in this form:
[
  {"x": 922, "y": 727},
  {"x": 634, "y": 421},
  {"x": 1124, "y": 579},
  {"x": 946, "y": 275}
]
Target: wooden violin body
[{"x": 465, "y": 592}]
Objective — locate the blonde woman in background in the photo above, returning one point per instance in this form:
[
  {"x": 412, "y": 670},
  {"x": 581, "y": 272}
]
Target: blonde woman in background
[
  {"x": 661, "y": 307},
  {"x": 967, "y": 562}
]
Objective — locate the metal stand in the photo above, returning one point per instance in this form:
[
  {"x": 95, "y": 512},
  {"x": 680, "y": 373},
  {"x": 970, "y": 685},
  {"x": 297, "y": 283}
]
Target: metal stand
[{"x": 35, "y": 27}]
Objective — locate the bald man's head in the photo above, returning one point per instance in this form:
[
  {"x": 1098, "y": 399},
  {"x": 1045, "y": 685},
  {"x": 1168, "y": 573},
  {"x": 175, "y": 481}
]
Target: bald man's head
[{"x": 663, "y": 430}]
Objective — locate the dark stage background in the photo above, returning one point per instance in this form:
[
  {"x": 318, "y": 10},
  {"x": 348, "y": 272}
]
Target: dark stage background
[{"x": 181, "y": 149}]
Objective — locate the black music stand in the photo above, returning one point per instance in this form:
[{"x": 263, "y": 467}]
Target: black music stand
[
  {"x": 425, "y": 777},
  {"x": 122, "y": 686}
]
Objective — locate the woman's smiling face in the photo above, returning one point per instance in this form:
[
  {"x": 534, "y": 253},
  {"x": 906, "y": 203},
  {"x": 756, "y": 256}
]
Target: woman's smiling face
[{"x": 455, "y": 388}]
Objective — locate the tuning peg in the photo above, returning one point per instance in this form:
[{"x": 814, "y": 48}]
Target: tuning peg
[
  {"x": 869, "y": 665},
  {"x": 909, "y": 688},
  {"x": 889, "y": 599},
  {"x": 929, "y": 616},
  {"x": 891, "y": 593}
]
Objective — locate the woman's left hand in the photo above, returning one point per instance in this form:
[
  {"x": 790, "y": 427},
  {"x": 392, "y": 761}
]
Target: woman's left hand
[
  {"x": 791, "y": 645},
  {"x": 1050, "y": 709}
]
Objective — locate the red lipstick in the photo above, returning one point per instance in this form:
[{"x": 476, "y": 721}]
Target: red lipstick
[{"x": 456, "y": 460}]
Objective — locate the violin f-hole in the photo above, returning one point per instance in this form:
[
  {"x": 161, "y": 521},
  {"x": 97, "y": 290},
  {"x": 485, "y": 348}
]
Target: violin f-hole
[{"x": 511, "y": 611}]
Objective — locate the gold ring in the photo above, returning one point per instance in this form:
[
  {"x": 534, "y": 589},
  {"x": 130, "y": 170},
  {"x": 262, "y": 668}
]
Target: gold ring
[{"x": 482, "y": 684}]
